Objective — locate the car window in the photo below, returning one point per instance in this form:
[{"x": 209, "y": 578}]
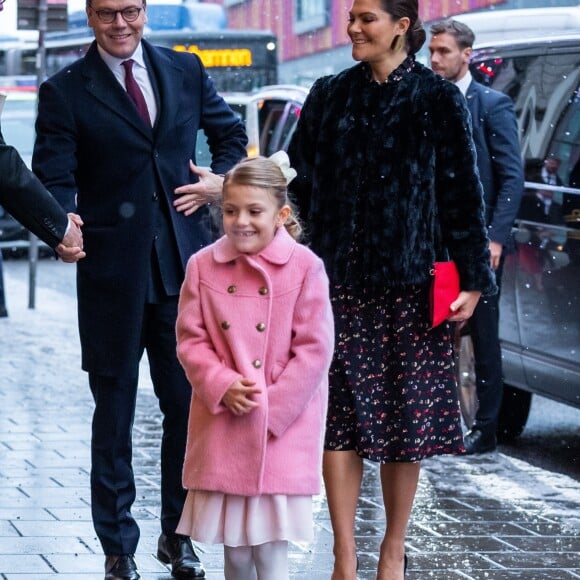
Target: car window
[
  {"x": 202, "y": 153},
  {"x": 541, "y": 87},
  {"x": 286, "y": 127},
  {"x": 270, "y": 115}
]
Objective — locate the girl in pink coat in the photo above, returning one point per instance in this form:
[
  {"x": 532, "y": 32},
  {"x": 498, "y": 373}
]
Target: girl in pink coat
[{"x": 255, "y": 337}]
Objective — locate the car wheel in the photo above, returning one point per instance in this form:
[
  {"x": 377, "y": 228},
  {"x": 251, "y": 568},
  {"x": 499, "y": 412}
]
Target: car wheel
[
  {"x": 465, "y": 368},
  {"x": 513, "y": 415}
]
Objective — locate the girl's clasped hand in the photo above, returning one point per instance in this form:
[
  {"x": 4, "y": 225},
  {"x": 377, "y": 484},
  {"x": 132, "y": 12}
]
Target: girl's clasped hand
[{"x": 238, "y": 398}]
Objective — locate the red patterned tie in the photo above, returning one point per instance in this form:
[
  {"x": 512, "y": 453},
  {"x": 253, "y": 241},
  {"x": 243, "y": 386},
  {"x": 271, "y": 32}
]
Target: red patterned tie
[{"x": 134, "y": 91}]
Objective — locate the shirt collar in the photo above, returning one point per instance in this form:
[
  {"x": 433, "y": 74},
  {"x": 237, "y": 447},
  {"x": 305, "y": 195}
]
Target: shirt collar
[
  {"x": 463, "y": 83},
  {"x": 278, "y": 251},
  {"x": 113, "y": 62}
]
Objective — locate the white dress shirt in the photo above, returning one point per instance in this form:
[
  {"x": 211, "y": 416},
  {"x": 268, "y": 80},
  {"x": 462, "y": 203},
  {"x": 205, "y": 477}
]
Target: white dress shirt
[{"x": 140, "y": 74}]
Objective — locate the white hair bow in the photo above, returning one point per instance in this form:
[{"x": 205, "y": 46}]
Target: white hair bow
[{"x": 280, "y": 158}]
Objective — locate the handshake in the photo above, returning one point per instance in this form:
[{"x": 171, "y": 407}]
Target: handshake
[{"x": 71, "y": 247}]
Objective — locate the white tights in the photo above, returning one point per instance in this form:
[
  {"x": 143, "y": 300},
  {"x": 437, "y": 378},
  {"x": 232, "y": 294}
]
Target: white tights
[{"x": 264, "y": 562}]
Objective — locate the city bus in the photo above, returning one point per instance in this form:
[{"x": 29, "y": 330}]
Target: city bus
[{"x": 237, "y": 60}]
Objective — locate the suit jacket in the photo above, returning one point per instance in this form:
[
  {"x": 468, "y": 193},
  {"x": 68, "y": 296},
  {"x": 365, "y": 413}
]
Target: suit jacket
[
  {"x": 25, "y": 198},
  {"x": 96, "y": 155},
  {"x": 267, "y": 318},
  {"x": 495, "y": 134}
]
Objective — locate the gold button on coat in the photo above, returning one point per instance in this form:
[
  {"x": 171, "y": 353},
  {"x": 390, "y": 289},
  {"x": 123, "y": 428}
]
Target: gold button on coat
[
  {"x": 260, "y": 327},
  {"x": 225, "y": 325},
  {"x": 257, "y": 363},
  {"x": 231, "y": 289},
  {"x": 263, "y": 290}
]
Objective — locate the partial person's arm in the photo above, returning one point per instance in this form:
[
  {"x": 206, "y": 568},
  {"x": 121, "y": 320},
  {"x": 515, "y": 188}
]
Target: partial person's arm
[
  {"x": 303, "y": 145},
  {"x": 227, "y": 140},
  {"x": 204, "y": 369},
  {"x": 25, "y": 198},
  {"x": 458, "y": 190},
  {"x": 501, "y": 133},
  {"x": 55, "y": 150},
  {"x": 312, "y": 348}
]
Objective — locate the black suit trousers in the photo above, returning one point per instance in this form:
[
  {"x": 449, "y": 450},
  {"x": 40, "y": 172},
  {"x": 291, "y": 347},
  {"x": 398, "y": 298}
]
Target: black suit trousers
[
  {"x": 112, "y": 479},
  {"x": 484, "y": 331}
]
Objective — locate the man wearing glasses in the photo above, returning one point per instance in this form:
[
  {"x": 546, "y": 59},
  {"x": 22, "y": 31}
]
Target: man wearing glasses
[
  {"x": 116, "y": 141},
  {"x": 25, "y": 198}
]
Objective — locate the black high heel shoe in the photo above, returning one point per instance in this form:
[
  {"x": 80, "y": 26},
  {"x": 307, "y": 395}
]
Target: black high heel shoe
[{"x": 405, "y": 567}]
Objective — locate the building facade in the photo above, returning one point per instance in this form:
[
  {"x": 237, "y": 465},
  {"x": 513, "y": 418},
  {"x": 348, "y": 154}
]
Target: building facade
[{"x": 312, "y": 39}]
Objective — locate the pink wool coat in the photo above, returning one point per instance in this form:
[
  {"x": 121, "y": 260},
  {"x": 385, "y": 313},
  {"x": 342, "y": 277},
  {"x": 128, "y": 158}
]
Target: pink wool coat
[{"x": 268, "y": 318}]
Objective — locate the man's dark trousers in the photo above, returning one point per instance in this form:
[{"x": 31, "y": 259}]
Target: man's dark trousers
[
  {"x": 484, "y": 331},
  {"x": 112, "y": 478}
]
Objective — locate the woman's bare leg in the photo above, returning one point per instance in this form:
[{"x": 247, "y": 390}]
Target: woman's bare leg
[
  {"x": 342, "y": 472},
  {"x": 399, "y": 482}
]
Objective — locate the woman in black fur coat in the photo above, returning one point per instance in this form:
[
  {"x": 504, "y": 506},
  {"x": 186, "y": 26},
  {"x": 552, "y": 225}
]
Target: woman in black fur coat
[{"x": 386, "y": 173}]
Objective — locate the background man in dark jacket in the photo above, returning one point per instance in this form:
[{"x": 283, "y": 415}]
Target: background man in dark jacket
[
  {"x": 25, "y": 198},
  {"x": 119, "y": 154},
  {"x": 495, "y": 135}
]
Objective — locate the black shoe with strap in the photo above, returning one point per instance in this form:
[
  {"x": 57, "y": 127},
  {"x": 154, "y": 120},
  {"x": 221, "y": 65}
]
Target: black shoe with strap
[
  {"x": 178, "y": 551},
  {"x": 121, "y": 567}
]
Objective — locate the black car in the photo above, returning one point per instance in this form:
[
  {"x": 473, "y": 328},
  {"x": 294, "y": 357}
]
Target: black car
[{"x": 540, "y": 294}]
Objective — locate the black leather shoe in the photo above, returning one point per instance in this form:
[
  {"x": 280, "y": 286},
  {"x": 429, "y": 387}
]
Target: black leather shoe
[
  {"x": 178, "y": 551},
  {"x": 121, "y": 568},
  {"x": 476, "y": 441}
]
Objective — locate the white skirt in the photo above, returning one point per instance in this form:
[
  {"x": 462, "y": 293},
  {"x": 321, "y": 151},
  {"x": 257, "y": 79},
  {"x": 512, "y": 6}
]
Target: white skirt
[{"x": 215, "y": 518}]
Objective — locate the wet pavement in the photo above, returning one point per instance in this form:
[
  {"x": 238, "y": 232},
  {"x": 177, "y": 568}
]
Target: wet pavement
[{"x": 490, "y": 517}]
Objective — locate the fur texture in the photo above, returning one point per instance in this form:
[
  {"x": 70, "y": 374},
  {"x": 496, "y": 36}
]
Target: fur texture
[{"x": 382, "y": 168}]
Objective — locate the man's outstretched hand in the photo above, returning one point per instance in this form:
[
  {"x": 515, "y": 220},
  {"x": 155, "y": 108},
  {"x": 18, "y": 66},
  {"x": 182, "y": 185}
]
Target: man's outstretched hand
[{"x": 71, "y": 248}]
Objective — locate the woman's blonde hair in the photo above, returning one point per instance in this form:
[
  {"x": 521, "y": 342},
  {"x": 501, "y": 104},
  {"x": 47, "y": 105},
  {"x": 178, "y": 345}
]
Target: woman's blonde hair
[{"x": 263, "y": 173}]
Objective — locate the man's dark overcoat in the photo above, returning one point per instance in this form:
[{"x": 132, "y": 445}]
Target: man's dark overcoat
[{"x": 93, "y": 147}]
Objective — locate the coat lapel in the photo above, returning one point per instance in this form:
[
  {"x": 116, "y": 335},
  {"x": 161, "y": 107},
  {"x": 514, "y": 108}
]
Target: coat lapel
[{"x": 167, "y": 85}]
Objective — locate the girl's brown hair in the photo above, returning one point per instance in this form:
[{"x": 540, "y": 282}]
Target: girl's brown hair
[{"x": 263, "y": 173}]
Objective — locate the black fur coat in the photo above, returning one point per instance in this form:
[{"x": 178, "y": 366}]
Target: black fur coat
[{"x": 381, "y": 169}]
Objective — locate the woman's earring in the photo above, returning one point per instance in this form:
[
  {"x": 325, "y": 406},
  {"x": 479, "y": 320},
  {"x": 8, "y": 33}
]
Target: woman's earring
[{"x": 399, "y": 43}]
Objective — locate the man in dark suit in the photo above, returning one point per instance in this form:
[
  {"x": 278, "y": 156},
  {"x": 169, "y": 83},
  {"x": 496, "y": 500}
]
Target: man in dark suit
[
  {"x": 495, "y": 135},
  {"x": 25, "y": 198},
  {"x": 121, "y": 155}
]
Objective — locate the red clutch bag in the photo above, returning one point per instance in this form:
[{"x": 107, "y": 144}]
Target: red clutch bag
[{"x": 444, "y": 290}]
